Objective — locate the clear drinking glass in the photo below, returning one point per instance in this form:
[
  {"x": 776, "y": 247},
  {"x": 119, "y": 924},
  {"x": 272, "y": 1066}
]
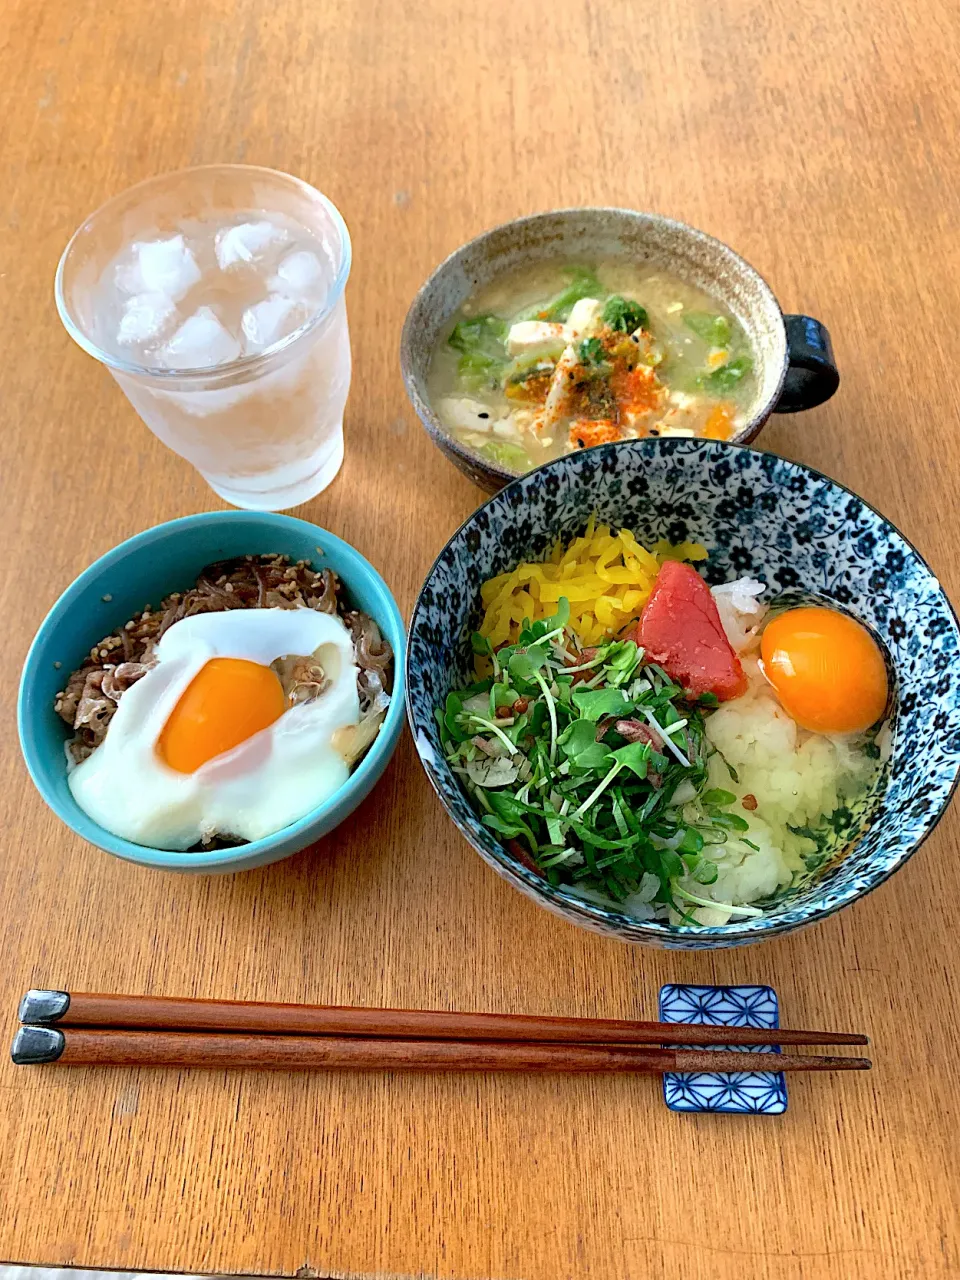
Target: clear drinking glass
[{"x": 264, "y": 425}]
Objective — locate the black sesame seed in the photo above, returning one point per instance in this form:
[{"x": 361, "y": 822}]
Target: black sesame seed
[{"x": 483, "y": 415}]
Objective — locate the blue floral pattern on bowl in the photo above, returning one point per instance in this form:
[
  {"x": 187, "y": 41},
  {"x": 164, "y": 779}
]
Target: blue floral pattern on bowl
[
  {"x": 740, "y": 1092},
  {"x": 757, "y": 514}
]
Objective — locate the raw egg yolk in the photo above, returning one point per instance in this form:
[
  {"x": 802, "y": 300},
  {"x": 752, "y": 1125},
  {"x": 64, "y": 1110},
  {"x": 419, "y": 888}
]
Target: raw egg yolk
[
  {"x": 227, "y": 701},
  {"x": 826, "y": 668}
]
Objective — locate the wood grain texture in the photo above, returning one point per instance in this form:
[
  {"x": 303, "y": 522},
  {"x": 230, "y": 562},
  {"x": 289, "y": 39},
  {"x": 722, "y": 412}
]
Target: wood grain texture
[{"x": 820, "y": 140}]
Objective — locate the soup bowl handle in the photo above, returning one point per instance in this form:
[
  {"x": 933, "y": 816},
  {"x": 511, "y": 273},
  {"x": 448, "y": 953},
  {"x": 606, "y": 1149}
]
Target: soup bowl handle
[{"x": 812, "y": 375}]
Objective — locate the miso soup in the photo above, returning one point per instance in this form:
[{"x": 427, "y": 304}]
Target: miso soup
[{"x": 563, "y": 356}]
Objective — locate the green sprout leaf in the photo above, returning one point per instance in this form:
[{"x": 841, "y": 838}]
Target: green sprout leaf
[
  {"x": 692, "y": 841},
  {"x": 704, "y": 871},
  {"x": 635, "y": 756},
  {"x": 672, "y": 864},
  {"x": 731, "y": 821},
  {"x": 453, "y": 710},
  {"x": 525, "y": 663},
  {"x": 594, "y": 704},
  {"x": 578, "y": 743},
  {"x": 717, "y": 796}
]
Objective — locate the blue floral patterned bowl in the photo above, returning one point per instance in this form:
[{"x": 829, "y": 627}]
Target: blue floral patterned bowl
[{"x": 758, "y": 514}]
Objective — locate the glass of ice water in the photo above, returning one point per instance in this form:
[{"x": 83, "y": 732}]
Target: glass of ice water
[{"x": 215, "y": 298}]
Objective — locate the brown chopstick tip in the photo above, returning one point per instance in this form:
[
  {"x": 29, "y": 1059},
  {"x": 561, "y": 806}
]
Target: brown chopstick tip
[
  {"x": 724, "y": 1061},
  {"x": 830, "y": 1064},
  {"x": 821, "y": 1037},
  {"x": 785, "y": 1035}
]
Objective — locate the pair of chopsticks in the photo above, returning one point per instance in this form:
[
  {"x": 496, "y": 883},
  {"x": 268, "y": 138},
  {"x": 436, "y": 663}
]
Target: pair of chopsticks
[{"x": 85, "y": 1029}]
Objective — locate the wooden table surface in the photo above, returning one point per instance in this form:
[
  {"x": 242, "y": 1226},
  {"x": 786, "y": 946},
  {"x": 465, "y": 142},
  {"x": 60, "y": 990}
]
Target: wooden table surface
[{"x": 817, "y": 138}]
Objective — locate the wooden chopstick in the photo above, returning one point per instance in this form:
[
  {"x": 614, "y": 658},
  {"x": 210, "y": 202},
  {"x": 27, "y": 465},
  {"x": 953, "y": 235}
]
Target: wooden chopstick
[
  {"x": 87, "y": 1009},
  {"x": 80, "y": 1046}
]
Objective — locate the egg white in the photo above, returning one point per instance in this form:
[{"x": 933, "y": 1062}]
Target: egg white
[{"x": 272, "y": 779}]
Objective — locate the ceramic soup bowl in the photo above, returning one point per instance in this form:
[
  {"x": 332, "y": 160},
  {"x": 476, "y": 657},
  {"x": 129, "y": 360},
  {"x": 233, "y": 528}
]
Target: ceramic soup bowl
[{"x": 793, "y": 356}]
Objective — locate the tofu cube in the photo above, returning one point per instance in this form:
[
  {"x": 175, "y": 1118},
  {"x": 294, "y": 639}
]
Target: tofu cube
[
  {"x": 584, "y": 319},
  {"x": 465, "y": 414},
  {"x": 535, "y": 338}
]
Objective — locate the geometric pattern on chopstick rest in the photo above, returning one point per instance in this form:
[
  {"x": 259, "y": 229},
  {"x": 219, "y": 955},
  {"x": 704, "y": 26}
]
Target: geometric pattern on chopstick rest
[{"x": 736, "y": 1093}]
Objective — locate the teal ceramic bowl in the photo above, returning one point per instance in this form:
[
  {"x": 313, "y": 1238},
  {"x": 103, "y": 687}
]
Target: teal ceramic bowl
[{"x": 146, "y": 568}]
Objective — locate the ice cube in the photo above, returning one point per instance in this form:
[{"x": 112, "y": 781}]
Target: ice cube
[
  {"x": 127, "y": 278},
  {"x": 248, "y": 242},
  {"x": 160, "y": 266},
  {"x": 268, "y": 321},
  {"x": 201, "y": 342},
  {"x": 300, "y": 273},
  {"x": 146, "y": 318}
]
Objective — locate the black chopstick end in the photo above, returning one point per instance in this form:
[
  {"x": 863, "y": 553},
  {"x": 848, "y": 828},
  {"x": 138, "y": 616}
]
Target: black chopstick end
[
  {"x": 43, "y": 1007},
  {"x": 35, "y": 1045}
]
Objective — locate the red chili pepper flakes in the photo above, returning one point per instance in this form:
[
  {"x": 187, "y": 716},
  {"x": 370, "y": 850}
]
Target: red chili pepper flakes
[{"x": 588, "y": 434}]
